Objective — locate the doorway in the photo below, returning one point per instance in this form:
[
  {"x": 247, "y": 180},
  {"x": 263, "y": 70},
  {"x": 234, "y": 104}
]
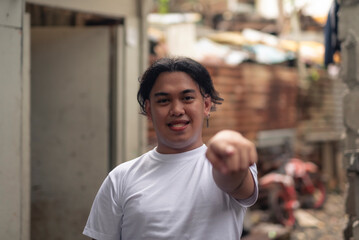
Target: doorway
[{"x": 73, "y": 73}]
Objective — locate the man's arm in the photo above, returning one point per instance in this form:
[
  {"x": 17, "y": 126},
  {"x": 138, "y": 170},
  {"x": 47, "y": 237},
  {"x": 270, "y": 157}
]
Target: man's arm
[{"x": 231, "y": 155}]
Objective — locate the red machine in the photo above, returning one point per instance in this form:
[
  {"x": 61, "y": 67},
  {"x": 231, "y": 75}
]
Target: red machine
[{"x": 295, "y": 184}]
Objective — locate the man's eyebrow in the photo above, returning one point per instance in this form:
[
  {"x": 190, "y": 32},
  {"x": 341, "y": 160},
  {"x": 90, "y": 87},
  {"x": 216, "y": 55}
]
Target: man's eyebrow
[
  {"x": 161, "y": 94},
  {"x": 158, "y": 94},
  {"x": 188, "y": 91}
]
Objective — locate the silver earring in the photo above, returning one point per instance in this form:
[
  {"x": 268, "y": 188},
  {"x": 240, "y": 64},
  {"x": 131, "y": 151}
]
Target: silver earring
[{"x": 207, "y": 121}]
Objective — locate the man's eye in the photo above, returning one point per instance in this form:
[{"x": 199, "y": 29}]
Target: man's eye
[
  {"x": 162, "y": 100},
  {"x": 188, "y": 98}
]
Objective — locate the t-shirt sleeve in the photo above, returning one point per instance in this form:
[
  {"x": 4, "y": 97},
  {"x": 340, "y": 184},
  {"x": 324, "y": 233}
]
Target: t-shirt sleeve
[
  {"x": 252, "y": 199},
  {"x": 104, "y": 221}
]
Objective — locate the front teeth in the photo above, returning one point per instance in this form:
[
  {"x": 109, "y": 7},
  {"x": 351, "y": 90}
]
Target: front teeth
[{"x": 178, "y": 125}]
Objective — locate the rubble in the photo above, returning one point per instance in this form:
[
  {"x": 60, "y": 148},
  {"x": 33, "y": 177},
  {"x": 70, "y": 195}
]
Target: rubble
[
  {"x": 268, "y": 231},
  {"x": 331, "y": 221},
  {"x": 305, "y": 219},
  {"x": 327, "y": 223}
]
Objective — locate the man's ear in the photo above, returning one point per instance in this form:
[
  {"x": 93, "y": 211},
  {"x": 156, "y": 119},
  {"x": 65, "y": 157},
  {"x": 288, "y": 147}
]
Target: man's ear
[
  {"x": 148, "y": 109},
  {"x": 207, "y": 105}
]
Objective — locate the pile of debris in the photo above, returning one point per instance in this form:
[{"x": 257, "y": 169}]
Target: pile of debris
[{"x": 327, "y": 223}]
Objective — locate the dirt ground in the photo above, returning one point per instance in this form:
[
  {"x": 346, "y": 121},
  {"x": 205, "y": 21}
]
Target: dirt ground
[
  {"x": 327, "y": 223},
  {"x": 332, "y": 221}
]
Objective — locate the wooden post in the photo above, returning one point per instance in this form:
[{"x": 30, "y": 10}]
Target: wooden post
[
  {"x": 339, "y": 166},
  {"x": 327, "y": 156}
]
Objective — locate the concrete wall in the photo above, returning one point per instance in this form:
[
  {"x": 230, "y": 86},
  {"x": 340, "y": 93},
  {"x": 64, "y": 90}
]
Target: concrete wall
[
  {"x": 14, "y": 124},
  {"x": 15, "y": 101},
  {"x": 349, "y": 36}
]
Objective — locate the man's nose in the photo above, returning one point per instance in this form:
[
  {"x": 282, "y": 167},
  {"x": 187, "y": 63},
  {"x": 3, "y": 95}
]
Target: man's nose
[{"x": 176, "y": 108}]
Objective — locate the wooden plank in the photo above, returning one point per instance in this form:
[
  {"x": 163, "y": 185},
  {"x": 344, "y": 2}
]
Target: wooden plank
[
  {"x": 115, "y": 8},
  {"x": 328, "y": 163}
]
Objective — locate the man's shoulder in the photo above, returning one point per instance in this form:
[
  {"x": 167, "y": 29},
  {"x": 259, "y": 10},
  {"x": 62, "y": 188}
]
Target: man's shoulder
[{"x": 128, "y": 165}]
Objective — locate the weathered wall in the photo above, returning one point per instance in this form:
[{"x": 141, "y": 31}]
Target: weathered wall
[
  {"x": 349, "y": 36},
  {"x": 14, "y": 120}
]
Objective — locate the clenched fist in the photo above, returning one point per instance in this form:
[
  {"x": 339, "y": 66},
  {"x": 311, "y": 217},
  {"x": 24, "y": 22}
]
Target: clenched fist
[
  {"x": 231, "y": 155},
  {"x": 230, "y": 152}
]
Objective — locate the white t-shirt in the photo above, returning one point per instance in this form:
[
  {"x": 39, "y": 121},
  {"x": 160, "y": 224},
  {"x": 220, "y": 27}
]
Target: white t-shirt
[{"x": 166, "y": 196}]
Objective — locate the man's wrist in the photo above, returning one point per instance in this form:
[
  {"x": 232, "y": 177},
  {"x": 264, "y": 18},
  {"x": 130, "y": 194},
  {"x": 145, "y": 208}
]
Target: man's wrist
[{"x": 241, "y": 183}]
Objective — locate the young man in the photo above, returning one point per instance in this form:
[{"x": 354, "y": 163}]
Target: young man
[{"x": 182, "y": 189}]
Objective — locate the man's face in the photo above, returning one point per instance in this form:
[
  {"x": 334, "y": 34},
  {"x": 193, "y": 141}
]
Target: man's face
[{"x": 177, "y": 109}]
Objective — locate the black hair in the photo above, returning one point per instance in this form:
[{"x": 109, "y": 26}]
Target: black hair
[{"x": 177, "y": 64}]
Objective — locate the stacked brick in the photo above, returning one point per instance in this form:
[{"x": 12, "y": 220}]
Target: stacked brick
[
  {"x": 256, "y": 97},
  {"x": 322, "y": 109}
]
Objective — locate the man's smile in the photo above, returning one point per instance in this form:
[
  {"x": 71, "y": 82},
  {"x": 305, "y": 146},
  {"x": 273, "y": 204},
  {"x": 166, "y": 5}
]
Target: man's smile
[{"x": 178, "y": 125}]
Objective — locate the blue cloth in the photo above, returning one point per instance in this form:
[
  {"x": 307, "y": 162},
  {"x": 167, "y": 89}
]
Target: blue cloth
[{"x": 332, "y": 43}]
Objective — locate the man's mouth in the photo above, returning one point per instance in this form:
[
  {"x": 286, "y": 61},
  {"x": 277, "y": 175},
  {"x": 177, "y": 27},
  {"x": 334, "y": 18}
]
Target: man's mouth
[{"x": 178, "y": 126}]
